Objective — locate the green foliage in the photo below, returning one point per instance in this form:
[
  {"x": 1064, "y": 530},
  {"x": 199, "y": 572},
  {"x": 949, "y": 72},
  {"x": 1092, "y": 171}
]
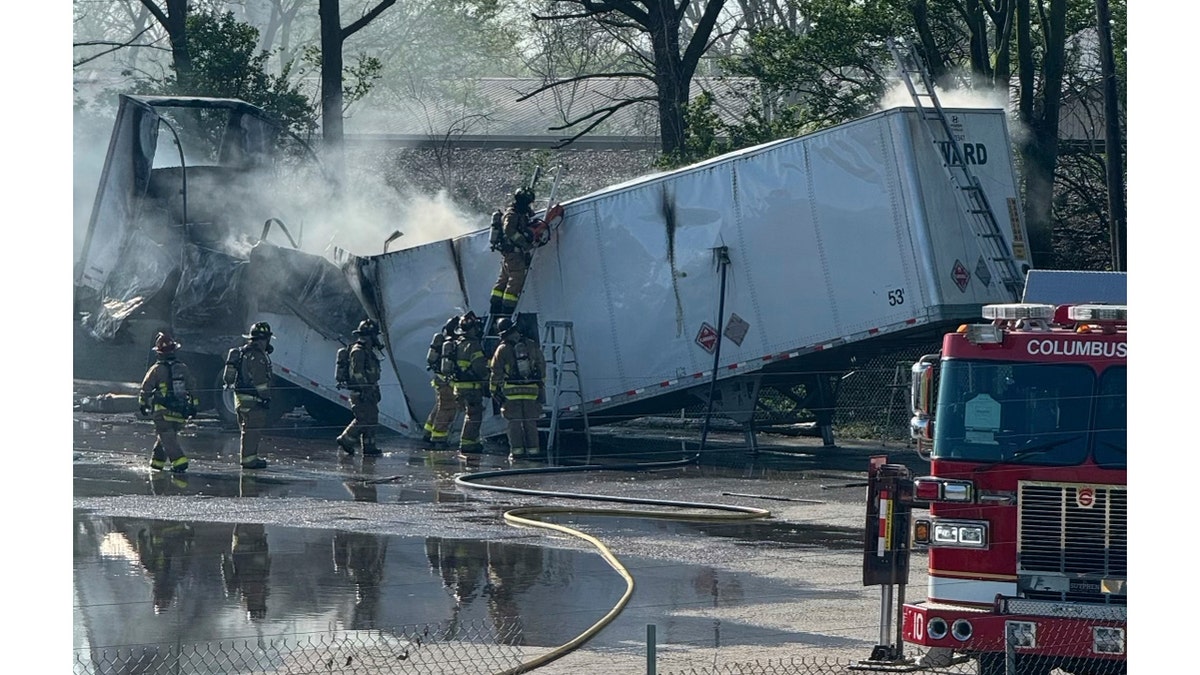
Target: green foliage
[
  {"x": 358, "y": 78},
  {"x": 225, "y": 64},
  {"x": 826, "y": 74}
]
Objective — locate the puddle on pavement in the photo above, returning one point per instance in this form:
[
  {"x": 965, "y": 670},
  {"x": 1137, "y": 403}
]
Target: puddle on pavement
[
  {"x": 145, "y": 581},
  {"x": 141, "y": 580}
]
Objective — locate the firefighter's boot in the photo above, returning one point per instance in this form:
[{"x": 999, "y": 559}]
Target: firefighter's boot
[
  {"x": 368, "y": 445},
  {"x": 348, "y": 446}
]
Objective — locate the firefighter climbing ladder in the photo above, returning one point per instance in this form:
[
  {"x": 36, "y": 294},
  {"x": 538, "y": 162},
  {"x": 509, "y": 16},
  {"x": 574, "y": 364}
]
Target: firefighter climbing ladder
[
  {"x": 983, "y": 220},
  {"x": 558, "y": 344}
]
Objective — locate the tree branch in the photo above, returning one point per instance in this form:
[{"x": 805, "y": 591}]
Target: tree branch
[
  {"x": 699, "y": 42},
  {"x": 156, "y": 11},
  {"x": 535, "y": 92},
  {"x": 608, "y": 112},
  {"x": 115, "y": 47},
  {"x": 365, "y": 18}
]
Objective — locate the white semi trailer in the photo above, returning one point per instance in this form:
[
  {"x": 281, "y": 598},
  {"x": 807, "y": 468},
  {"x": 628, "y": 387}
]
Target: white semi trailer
[
  {"x": 778, "y": 262},
  {"x": 831, "y": 242}
]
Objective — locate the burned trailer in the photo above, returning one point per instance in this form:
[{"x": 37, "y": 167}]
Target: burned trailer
[
  {"x": 191, "y": 190},
  {"x": 769, "y": 268}
]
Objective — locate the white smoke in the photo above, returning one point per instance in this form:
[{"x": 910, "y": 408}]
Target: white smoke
[{"x": 898, "y": 96}]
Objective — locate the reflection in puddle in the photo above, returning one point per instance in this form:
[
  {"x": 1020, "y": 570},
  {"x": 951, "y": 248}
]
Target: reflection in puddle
[{"x": 152, "y": 581}]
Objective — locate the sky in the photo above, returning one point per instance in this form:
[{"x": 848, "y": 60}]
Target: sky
[{"x": 1162, "y": 139}]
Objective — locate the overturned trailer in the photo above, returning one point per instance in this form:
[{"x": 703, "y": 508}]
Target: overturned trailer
[
  {"x": 779, "y": 262},
  {"x": 770, "y": 268}
]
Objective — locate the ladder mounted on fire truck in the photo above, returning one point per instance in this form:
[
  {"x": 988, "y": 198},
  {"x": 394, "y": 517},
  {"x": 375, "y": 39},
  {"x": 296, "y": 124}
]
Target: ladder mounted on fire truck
[{"x": 983, "y": 220}]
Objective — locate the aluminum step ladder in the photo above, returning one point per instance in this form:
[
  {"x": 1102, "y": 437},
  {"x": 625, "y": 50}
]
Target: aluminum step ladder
[
  {"x": 991, "y": 239},
  {"x": 558, "y": 346}
]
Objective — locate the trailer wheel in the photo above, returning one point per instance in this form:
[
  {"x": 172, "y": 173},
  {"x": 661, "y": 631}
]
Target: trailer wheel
[
  {"x": 284, "y": 398},
  {"x": 223, "y": 402},
  {"x": 325, "y": 412}
]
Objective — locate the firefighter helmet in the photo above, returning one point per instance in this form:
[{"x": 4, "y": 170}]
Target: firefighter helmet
[
  {"x": 451, "y": 325},
  {"x": 523, "y": 196},
  {"x": 504, "y": 326},
  {"x": 467, "y": 323},
  {"x": 165, "y": 344},
  {"x": 262, "y": 329},
  {"x": 366, "y": 327}
]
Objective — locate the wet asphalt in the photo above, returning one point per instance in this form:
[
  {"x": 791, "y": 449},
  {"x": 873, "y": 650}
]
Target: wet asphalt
[{"x": 320, "y": 539}]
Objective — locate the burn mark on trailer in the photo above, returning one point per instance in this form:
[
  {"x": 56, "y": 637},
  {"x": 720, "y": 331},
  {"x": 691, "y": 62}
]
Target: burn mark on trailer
[
  {"x": 668, "y": 211},
  {"x": 456, "y": 256}
]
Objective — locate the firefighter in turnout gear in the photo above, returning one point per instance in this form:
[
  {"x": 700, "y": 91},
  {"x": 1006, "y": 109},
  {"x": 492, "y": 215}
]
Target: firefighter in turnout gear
[
  {"x": 517, "y": 369},
  {"x": 470, "y": 381},
  {"x": 246, "y": 568},
  {"x": 363, "y": 383},
  {"x": 248, "y": 372},
  {"x": 445, "y": 408},
  {"x": 168, "y": 396},
  {"x": 516, "y": 246}
]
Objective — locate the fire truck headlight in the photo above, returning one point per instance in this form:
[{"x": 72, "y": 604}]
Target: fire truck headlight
[
  {"x": 959, "y": 534},
  {"x": 970, "y": 535}
]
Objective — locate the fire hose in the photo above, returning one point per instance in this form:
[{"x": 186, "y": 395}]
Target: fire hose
[{"x": 529, "y": 516}]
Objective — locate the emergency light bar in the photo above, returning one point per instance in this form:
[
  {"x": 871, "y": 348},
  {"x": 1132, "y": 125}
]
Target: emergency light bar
[
  {"x": 1018, "y": 311},
  {"x": 1097, "y": 313},
  {"x": 984, "y": 334}
]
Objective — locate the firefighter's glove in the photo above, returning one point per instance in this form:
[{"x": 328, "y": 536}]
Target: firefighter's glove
[
  {"x": 264, "y": 403},
  {"x": 189, "y": 411},
  {"x": 145, "y": 409},
  {"x": 499, "y": 397},
  {"x": 342, "y": 385}
]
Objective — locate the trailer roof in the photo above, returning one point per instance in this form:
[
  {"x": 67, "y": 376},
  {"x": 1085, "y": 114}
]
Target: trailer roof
[{"x": 197, "y": 102}]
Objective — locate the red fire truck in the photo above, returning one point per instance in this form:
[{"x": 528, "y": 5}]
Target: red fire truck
[{"x": 1024, "y": 423}]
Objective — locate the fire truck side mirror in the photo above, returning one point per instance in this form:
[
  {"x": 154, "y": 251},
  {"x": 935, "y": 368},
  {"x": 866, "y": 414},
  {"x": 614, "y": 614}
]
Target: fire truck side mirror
[{"x": 924, "y": 374}]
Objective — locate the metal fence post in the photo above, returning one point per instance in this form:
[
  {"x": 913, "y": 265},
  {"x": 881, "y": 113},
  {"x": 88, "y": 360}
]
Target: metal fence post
[{"x": 651, "y": 655}]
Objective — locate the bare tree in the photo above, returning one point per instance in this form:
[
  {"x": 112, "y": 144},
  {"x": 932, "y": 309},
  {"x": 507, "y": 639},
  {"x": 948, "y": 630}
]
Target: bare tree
[
  {"x": 173, "y": 18},
  {"x": 333, "y": 39},
  {"x": 1039, "y": 105},
  {"x": 279, "y": 26},
  {"x": 664, "y": 56}
]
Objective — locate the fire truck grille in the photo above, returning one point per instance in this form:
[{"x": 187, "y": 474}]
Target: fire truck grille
[{"x": 1062, "y": 535}]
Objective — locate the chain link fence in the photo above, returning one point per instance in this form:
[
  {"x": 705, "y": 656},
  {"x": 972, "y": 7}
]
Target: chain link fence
[
  {"x": 872, "y": 400},
  {"x": 447, "y": 649},
  {"x": 487, "y": 649}
]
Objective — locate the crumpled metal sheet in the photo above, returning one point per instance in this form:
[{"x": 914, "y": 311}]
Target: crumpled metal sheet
[
  {"x": 209, "y": 309},
  {"x": 141, "y": 272},
  {"x": 284, "y": 280}
]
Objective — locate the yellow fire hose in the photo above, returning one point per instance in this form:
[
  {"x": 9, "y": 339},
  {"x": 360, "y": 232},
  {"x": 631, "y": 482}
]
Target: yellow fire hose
[{"x": 529, "y": 516}]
